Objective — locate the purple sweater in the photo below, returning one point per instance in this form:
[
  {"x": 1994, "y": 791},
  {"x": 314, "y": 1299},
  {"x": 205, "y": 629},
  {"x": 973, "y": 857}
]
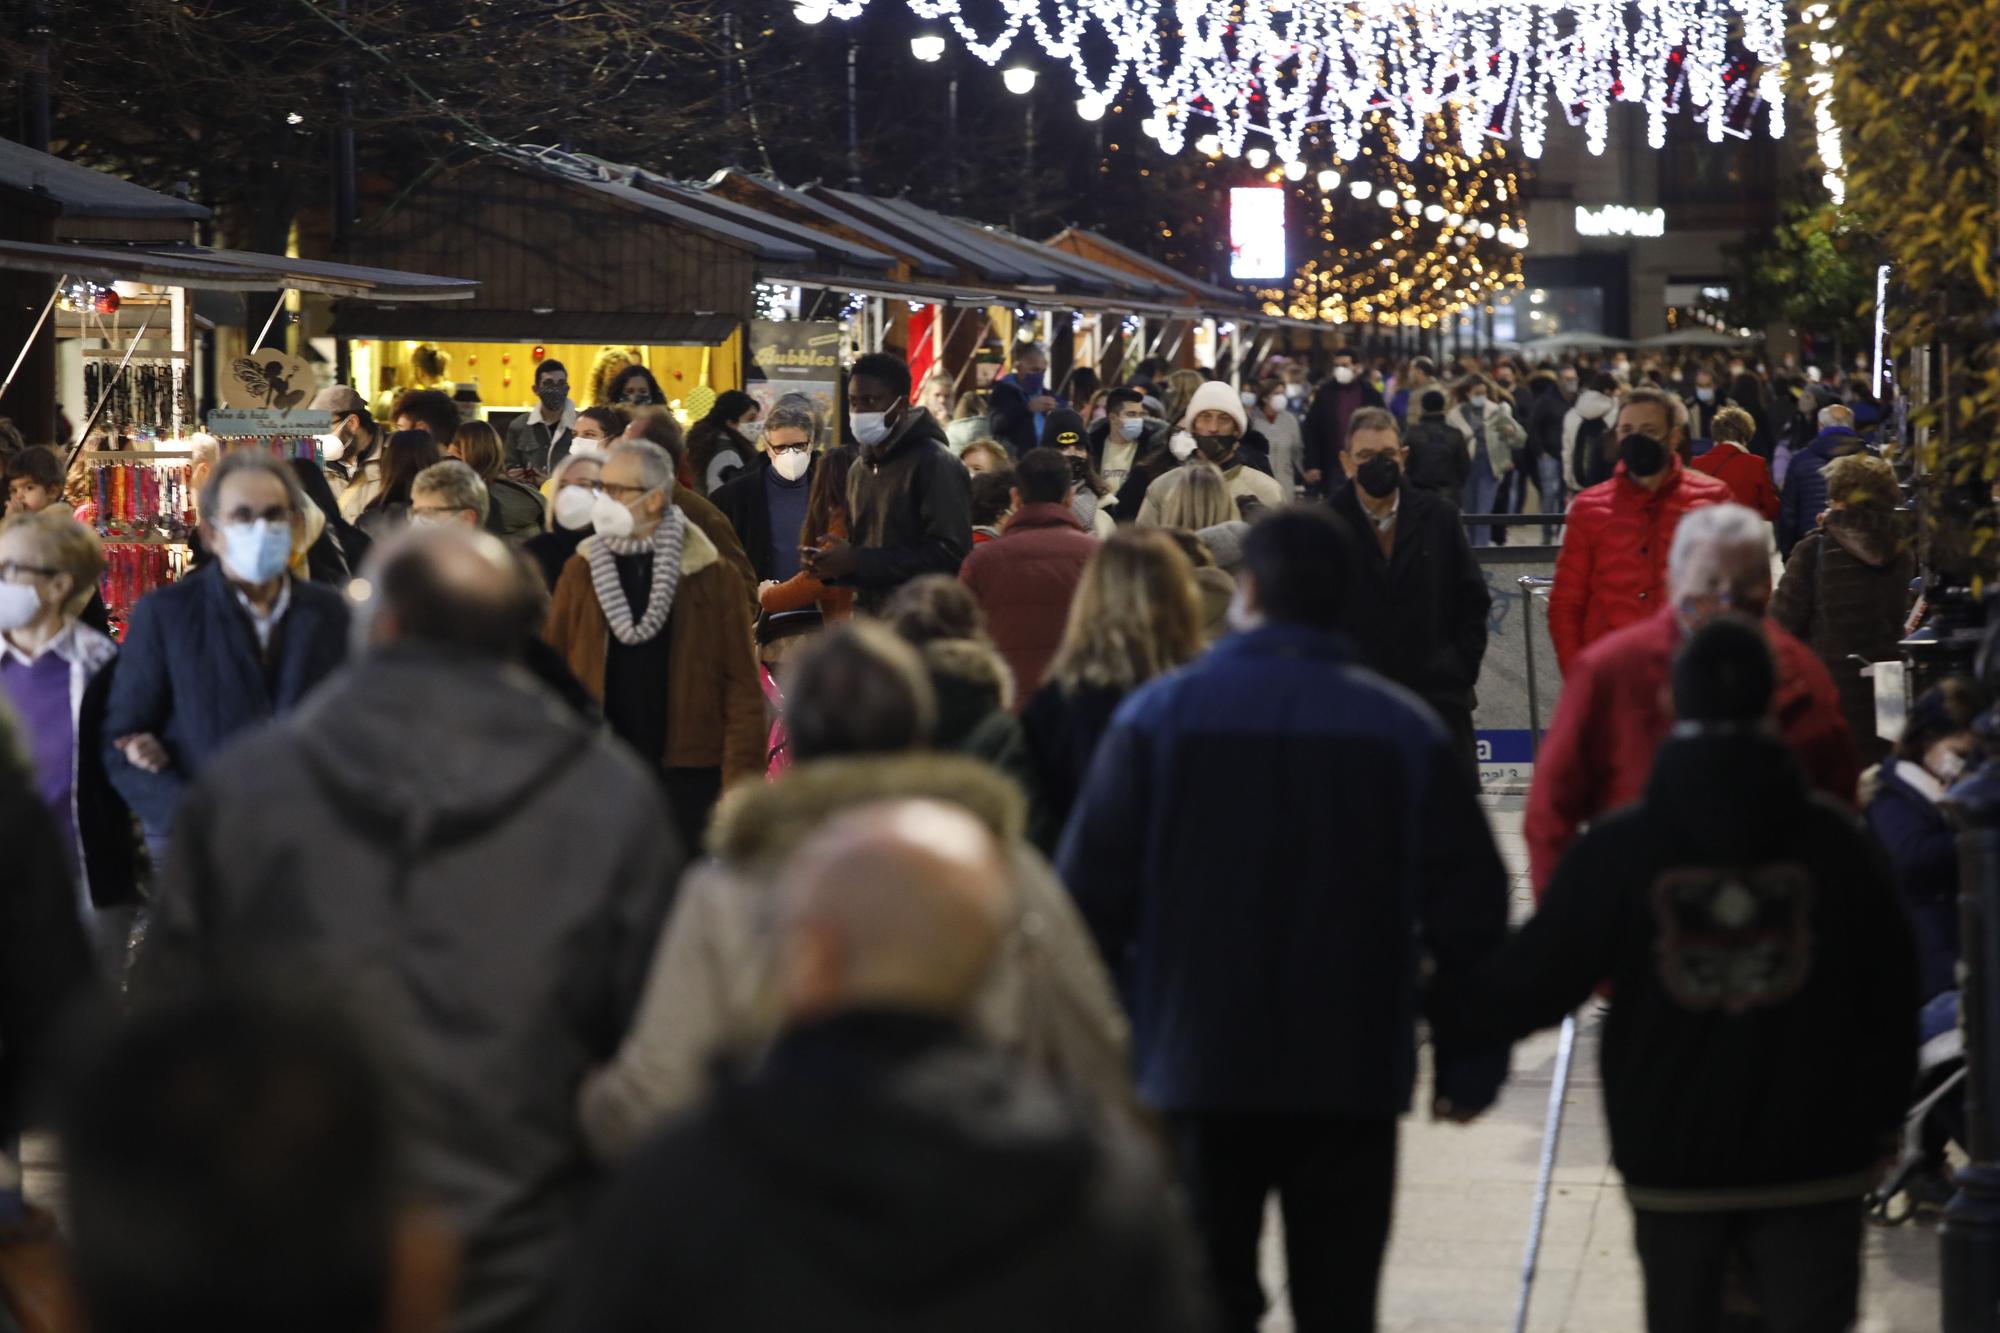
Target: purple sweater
[{"x": 39, "y": 694}]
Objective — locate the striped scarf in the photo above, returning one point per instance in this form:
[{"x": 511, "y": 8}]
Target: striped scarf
[{"x": 665, "y": 544}]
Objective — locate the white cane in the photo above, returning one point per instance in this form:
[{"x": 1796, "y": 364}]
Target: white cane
[{"x": 1551, "y": 1135}]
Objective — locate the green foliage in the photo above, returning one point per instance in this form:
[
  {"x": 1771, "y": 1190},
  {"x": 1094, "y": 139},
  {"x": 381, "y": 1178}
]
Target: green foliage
[{"x": 1814, "y": 271}]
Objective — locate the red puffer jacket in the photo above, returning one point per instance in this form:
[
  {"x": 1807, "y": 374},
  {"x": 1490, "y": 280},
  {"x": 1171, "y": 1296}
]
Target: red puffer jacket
[
  {"x": 1025, "y": 582},
  {"x": 1747, "y": 476},
  {"x": 1615, "y": 711},
  {"x": 1612, "y": 571}
]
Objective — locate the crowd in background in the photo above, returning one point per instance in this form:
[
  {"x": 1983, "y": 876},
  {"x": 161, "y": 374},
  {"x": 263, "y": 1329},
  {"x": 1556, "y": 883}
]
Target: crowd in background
[{"x": 704, "y": 829}]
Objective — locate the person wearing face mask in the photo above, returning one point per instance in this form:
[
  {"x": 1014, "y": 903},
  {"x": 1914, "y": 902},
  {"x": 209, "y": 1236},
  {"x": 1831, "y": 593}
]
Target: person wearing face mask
[
  {"x": 233, "y": 645},
  {"x": 653, "y": 621},
  {"x": 1612, "y": 569},
  {"x": 1615, "y": 708},
  {"x": 1128, "y": 449},
  {"x": 1589, "y": 450},
  {"x": 718, "y": 446},
  {"x": 766, "y": 505},
  {"x": 539, "y": 438},
  {"x": 1702, "y": 405},
  {"x": 1344, "y": 393},
  {"x": 1759, "y": 1052},
  {"x": 1019, "y": 403},
  {"x": 1091, "y": 497},
  {"x": 909, "y": 504},
  {"x": 634, "y": 387},
  {"x": 1485, "y": 416},
  {"x": 1212, "y": 428},
  {"x": 1283, "y": 438},
  {"x": 1417, "y": 611},
  {"x": 570, "y": 491},
  {"x": 352, "y": 449},
  {"x": 53, "y": 672}
]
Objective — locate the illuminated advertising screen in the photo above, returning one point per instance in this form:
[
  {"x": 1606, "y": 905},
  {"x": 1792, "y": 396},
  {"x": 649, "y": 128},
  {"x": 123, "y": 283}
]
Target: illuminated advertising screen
[{"x": 1257, "y": 233}]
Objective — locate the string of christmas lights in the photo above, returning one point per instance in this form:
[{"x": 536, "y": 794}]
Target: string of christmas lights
[{"x": 1286, "y": 68}]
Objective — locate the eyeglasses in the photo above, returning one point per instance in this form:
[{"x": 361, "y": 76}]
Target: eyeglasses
[
  {"x": 788, "y": 448},
  {"x": 11, "y": 571},
  {"x": 434, "y": 511},
  {"x": 623, "y": 493}
]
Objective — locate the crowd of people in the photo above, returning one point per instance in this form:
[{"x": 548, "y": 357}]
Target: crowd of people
[{"x": 950, "y": 870}]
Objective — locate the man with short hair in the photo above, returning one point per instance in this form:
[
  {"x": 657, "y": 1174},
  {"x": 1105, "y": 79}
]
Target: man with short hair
[
  {"x": 1418, "y": 376},
  {"x": 539, "y": 438},
  {"x": 1803, "y": 497},
  {"x": 653, "y": 622},
  {"x": 1026, "y": 580},
  {"x": 1018, "y": 405},
  {"x": 475, "y": 874},
  {"x": 234, "y": 644},
  {"x": 1614, "y": 709},
  {"x": 353, "y": 449},
  {"x": 1612, "y": 568},
  {"x": 232, "y": 1165},
  {"x": 920, "y": 1179},
  {"x": 1269, "y": 843},
  {"x": 1344, "y": 393},
  {"x": 909, "y": 507},
  {"x": 448, "y": 492},
  {"x": 1417, "y": 612},
  {"x": 429, "y": 410},
  {"x": 1128, "y": 449},
  {"x": 1702, "y": 404}
]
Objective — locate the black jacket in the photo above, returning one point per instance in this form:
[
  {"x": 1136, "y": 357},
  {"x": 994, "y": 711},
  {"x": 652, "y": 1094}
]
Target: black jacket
[
  {"x": 1418, "y": 617},
  {"x": 909, "y": 506},
  {"x": 1545, "y": 423},
  {"x": 1323, "y": 436},
  {"x": 1762, "y": 1032},
  {"x": 1063, "y": 728},
  {"x": 1149, "y": 460},
  {"x": 481, "y": 877},
  {"x": 1440, "y": 460},
  {"x": 745, "y": 504},
  {"x": 883, "y": 1173}
]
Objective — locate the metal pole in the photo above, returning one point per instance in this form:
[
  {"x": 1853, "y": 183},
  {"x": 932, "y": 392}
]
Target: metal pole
[
  {"x": 111, "y": 385},
  {"x": 276, "y": 306},
  {"x": 41, "y": 119},
  {"x": 1028, "y": 164},
  {"x": 1551, "y": 1136},
  {"x": 853, "y": 118},
  {"x": 951, "y": 130},
  {"x": 28, "y": 345}
]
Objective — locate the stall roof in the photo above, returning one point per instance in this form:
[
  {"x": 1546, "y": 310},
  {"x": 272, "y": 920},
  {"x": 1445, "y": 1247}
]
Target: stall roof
[
  {"x": 527, "y": 326},
  {"x": 1077, "y": 240},
  {"x": 961, "y": 245},
  {"x": 229, "y": 270},
  {"x": 78, "y": 191},
  {"x": 837, "y": 248},
  {"x": 918, "y": 258}
]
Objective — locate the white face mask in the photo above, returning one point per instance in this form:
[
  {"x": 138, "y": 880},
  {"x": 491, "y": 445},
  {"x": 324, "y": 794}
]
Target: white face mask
[
  {"x": 870, "y": 428},
  {"x": 1275, "y": 404},
  {"x": 1182, "y": 446},
  {"x": 20, "y": 604},
  {"x": 1945, "y": 765},
  {"x": 611, "y": 519},
  {"x": 589, "y": 446},
  {"x": 332, "y": 448},
  {"x": 1343, "y": 374},
  {"x": 1249, "y": 398},
  {"x": 257, "y": 551},
  {"x": 1476, "y": 399},
  {"x": 1132, "y": 427},
  {"x": 572, "y": 507},
  {"x": 792, "y": 464}
]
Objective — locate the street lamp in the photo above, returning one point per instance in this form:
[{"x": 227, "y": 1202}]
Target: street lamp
[
  {"x": 1258, "y": 158},
  {"x": 1295, "y": 170},
  {"x": 1020, "y": 80},
  {"x": 927, "y": 47},
  {"x": 1329, "y": 180},
  {"x": 809, "y": 12},
  {"x": 1090, "y": 108}
]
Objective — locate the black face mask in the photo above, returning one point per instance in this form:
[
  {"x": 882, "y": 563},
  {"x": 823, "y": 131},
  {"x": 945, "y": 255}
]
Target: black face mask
[
  {"x": 1643, "y": 455},
  {"x": 1215, "y": 448},
  {"x": 1079, "y": 469},
  {"x": 1379, "y": 475}
]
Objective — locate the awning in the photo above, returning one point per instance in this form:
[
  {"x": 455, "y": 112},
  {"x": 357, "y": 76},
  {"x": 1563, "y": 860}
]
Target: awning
[
  {"x": 77, "y": 191},
  {"x": 229, "y": 270},
  {"x": 446, "y": 324}
]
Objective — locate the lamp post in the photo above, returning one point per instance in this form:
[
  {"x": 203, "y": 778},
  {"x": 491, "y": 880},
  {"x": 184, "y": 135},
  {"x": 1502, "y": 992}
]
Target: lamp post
[
  {"x": 1020, "y": 80},
  {"x": 930, "y": 48},
  {"x": 853, "y": 117}
]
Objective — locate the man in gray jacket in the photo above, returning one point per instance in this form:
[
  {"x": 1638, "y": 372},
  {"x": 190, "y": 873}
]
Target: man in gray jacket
[{"x": 466, "y": 867}]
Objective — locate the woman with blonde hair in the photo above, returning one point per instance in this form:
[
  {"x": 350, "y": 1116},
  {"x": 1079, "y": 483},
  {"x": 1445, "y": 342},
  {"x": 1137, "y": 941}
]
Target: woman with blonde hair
[
  {"x": 516, "y": 509},
  {"x": 1180, "y": 391},
  {"x": 1201, "y": 501},
  {"x": 1136, "y": 616}
]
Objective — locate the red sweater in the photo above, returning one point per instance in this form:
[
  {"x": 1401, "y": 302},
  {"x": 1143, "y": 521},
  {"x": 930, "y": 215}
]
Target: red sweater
[
  {"x": 1612, "y": 570},
  {"x": 1747, "y": 476},
  {"x": 1616, "y": 708}
]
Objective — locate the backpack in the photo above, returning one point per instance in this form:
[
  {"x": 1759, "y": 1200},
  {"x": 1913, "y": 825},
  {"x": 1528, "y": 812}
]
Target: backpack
[{"x": 1588, "y": 463}]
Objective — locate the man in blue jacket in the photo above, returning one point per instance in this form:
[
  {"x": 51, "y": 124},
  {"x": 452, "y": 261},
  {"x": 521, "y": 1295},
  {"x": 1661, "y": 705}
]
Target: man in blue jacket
[
  {"x": 1268, "y": 845},
  {"x": 1803, "y": 498},
  {"x": 234, "y": 644}
]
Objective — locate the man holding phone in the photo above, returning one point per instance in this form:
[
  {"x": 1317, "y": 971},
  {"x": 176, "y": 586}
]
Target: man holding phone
[{"x": 909, "y": 502}]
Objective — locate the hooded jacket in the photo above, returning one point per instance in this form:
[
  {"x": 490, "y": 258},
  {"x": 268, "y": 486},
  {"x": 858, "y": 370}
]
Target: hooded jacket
[
  {"x": 909, "y": 510},
  {"x": 1440, "y": 457},
  {"x": 1761, "y": 1043},
  {"x": 1025, "y": 582},
  {"x": 975, "y": 701},
  {"x": 480, "y": 877},
  {"x": 1593, "y": 410},
  {"x": 1612, "y": 569},
  {"x": 1804, "y": 494},
  {"x": 715, "y": 706},
  {"x": 711, "y": 990},
  {"x": 1615, "y": 712},
  {"x": 1846, "y": 591},
  {"x": 884, "y": 1171}
]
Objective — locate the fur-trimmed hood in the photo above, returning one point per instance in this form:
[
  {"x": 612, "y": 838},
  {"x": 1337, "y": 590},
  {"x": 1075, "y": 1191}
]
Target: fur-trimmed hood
[
  {"x": 757, "y": 824},
  {"x": 973, "y": 663}
]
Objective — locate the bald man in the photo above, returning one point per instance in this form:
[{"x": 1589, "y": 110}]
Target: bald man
[
  {"x": 477, "y": 873},
  {"x": 882, "y": 1169}
]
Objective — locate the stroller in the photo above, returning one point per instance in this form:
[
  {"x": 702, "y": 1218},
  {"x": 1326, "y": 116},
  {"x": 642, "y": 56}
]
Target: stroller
[{"x": 1936, "y": 1118}]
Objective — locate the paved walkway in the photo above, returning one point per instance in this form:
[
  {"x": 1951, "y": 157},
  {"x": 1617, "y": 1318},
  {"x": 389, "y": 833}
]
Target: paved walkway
[{"x": 1465, "y": 1194}]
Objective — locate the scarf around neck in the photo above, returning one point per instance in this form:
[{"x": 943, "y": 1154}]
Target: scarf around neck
[{"x": 665, "y": 545}]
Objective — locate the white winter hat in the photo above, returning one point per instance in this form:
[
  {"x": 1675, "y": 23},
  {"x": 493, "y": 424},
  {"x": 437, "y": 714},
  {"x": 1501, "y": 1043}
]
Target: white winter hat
[{"x": 1215, "y": 396}]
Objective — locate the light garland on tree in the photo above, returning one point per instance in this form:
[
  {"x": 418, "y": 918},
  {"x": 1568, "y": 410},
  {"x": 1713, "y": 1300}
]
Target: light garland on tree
[
  {"x": 1437, "y": 247},
  {"x": 1285, "y": 68},
  {"x": 1819, "y": 86}
]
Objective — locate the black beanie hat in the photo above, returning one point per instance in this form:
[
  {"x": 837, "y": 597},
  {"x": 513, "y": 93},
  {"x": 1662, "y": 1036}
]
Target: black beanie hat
[{"x": 1724, "y": 673}]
